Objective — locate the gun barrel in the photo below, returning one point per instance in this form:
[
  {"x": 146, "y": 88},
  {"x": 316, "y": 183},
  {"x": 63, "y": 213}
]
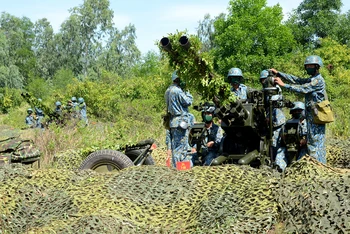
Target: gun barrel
[
  {"x": 185, "y": 42},
  {"x": 165, "y": 43}
]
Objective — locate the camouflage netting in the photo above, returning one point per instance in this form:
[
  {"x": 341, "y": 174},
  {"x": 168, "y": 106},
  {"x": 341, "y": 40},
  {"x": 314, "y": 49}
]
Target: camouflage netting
[
  {"x": 308, "y": 198},
  {"x": 338, "y": 153}
]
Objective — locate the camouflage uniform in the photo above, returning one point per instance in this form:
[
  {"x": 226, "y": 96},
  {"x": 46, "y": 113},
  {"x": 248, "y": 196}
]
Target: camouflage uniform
[
  {"x": 314, "y": 89},
  {"x": 40, "y": 115},
  {"x": 278, "y": 120},
  {"x": 177, "y": 103},
  {"x": 83, "y": 112},
  {"x": 30, "y": 121},
  {"x": 214, "y": 133},
  {"x": 241, "y": 92}
]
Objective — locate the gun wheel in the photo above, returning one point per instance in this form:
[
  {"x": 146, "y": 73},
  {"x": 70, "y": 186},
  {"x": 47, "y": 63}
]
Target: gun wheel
[{"x": 106, "y": 161}]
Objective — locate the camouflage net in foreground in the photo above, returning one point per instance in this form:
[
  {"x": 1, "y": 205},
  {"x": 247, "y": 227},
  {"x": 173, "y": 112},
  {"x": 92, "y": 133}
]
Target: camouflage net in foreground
[{"x": 308, "y": 198}]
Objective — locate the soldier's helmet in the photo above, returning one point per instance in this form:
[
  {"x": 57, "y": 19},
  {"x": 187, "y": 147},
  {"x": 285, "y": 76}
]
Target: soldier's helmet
[
  {"x": 174, "y": 76},
  {"x": 29, "y": 111},
  {"x": 297, "y": 106},
  {"x": 264, "y": 74},
  {"x": 235, "y": 72},
  {"x": 74, "y": 99},
  {"x": 80, "y": 100},
  {"x": 58, "y": 103},
  {"x": 208, "y": 107},
  {"x": 313, "y": 59},
  {"x": 234, "y": 75}
]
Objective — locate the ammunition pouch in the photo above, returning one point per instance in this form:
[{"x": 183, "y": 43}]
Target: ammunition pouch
[{"x": 322, "y": 112}]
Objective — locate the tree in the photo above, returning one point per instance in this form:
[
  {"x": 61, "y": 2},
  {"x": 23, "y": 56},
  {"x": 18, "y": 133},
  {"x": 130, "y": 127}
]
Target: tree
[
  {"x": 9, "y": 72},
  {"x": 342, "y": 32},
  {"x": 314, "y": 19},
  {"x": 206, "y": 31},
  {"x": 44, "y": 49},
  {"x": 19, "y": 35},
  {"x": 121, "y": 52},
  {"x": 251, "y": 36}
]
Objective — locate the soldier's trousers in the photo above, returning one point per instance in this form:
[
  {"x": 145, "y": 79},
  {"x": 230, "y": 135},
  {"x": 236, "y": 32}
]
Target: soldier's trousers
[
  {"x": 179, "y": 145},
  {"x": 315, "y": 139}
]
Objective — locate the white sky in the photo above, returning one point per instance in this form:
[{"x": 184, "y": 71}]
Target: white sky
[{"x": 153, "y": 19}]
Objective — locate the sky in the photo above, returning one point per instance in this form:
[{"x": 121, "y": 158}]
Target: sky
[{"x": 153, "y": 19}]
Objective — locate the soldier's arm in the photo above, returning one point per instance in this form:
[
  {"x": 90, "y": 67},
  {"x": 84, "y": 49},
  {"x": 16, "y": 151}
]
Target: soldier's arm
[
  {"x": 315, "y": 84},
  {"x": 293, "y": 79}
]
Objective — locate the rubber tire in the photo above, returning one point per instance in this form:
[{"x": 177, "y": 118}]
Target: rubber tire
[
  {"x": 132, "y": 154},
  {"x": 116, "y": 158}
]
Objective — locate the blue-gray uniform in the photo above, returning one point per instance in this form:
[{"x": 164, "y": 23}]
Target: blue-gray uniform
[
  {"x": 241, "y": 92},
  {"x": 177, "y": 103},
  {"x": 278, "y": 120},
  {"x": 30, "y": 121},
  {"x": 167, "y": 134},
  {"x": 40, "y": 115},
  {"x": 213, "y": 133},
  {"x": 314, "y": 89}
]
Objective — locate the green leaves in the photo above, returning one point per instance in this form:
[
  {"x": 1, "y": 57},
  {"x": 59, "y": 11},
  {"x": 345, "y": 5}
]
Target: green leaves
[
  {"x": 251, "y": 36},
  {"x": 195, "y": 68}
]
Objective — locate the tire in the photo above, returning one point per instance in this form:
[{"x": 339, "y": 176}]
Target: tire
[
  {"x": 132, "y": 154},
  {"x": 106, "y": 161}
]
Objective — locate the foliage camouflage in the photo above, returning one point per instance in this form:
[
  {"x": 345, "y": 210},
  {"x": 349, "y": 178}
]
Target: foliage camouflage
[
  {"x": 309, "y": 197},
  {"x": 195, "y": 69}
]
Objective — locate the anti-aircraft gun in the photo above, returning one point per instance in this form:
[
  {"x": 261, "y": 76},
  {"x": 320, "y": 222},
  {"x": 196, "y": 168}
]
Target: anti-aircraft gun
[
  {"x": 52, "y": 115},
  {"x": 247, "y": 138}
]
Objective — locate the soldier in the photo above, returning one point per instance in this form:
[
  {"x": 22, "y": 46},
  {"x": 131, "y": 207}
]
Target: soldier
[
  {"x": 235, "y": 78},
  {"x": 212, "y": 136},
  {"x": 30, "y": 120},
  {"x": 298, "y": 116},
  {"x": 75, "y": 107},
  {"x": 58, "y": 109},
  {"x": 177, "y": 102},
  {"x": 314, "y": 89},
  {"x": 59, "y": 113},
  {"x": 39, "y": 115},
  {"x": 82, "y": 110},
  {"x": 278, "y": 120}
]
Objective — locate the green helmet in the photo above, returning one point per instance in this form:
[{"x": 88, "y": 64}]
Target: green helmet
[
  {"x": 74, "y": 99},
  {"x": 264, "y": 74},
  {"x": 80, "y": 100},
  {"x": 58, "y": 103},
  {"x": 29, "y": 111},
  {"x": 313, "y": 59},
  {"x": 174, "y": 76}
]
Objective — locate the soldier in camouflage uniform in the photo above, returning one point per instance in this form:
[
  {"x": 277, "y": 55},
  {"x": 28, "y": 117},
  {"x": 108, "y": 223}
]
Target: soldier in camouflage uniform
[
  {"x": 212, "y": 136},
  {"x": 39, "y": 116},
  {"x": 30, "y": 120},
  {"x": 177, "y": 102},
  {"x": 314, "y": 89},
  {"x": 235, "y": 77},
  {"x": 298, "y": 116},
  {"x": 82, "y": 110},
  {"x": 278, "y": 120}
]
